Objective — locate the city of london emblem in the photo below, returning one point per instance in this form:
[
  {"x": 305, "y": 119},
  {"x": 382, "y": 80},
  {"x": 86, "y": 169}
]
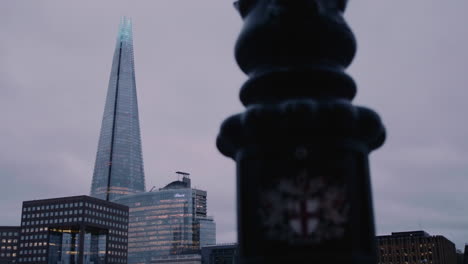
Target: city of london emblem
[{"x": 303, "y": 209}]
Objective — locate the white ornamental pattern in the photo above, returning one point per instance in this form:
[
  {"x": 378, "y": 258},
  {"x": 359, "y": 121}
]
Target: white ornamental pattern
[{"x": 305, "y": 209}]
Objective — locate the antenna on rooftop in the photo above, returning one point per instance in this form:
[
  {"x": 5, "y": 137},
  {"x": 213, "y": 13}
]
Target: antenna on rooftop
[
  {"x": 185, "y": 177},
  {"x": 184, "y": 174}
]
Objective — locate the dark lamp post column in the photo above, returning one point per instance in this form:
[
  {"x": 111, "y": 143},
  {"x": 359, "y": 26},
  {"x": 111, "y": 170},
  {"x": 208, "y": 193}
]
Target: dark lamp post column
[{"x": 301, "y": 147}]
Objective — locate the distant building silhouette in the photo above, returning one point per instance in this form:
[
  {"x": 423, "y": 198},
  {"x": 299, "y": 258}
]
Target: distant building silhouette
[
  {"x": 119, "y": 163},
  {"x": 77, "y": 229},
  {"x": 465, "y": 255},
  {"x": 168, "y": 223},
  {"x": 415, "y": 247},
  {"x": 9, "y": 244}
]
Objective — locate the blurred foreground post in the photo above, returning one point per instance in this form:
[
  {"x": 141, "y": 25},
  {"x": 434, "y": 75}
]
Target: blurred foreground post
[{"x": 301, "y": 147}]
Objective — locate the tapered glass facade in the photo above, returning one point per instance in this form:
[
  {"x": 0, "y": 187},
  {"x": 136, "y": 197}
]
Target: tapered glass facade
[{"x": 119, "y": 163}]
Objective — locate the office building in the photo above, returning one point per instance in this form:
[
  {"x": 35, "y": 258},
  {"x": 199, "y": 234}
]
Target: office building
[
  {"x": 9, "y": 237},
  {"x": 78, "y": 229},
  {"x": 171, "y": 221},
  {"x": 177, "y": 259},
  {"x": 223, "y": 253},
  {"x": 119, "y": 163},
  {"x": 415, "y": 247}
]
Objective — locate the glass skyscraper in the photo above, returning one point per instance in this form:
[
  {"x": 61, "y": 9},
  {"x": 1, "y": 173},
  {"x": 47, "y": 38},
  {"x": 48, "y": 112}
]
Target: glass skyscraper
[
  {"x": 118, "y": 169},
  {"x": 170, "y": 224}
]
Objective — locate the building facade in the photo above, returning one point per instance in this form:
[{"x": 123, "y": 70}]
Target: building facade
[
  {"x": 119, "y": 163},
  {"x": 72, "y": 230},
  {"x": 220, "y": 254},
  {"x": 177, "y": 259},
  {"x": 9, "y": 242},
  {"x": 171, "y": 221},
  {"x": 415, "y": 247}
]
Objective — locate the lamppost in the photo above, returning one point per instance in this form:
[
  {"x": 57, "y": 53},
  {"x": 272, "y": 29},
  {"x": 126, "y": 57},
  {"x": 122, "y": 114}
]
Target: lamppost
[{"x": 301, "y": 147}]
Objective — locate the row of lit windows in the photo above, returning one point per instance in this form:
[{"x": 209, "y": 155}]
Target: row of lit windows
[
  {"x": 160, "y": 206},
  {"x": 31, "y": 237},
  {"x": 52, "y": 206},
  {"x": 2, "y": 248},
  {"x": 33, "y": 251},
  {"x": 407, "y": 240},
  {"x": 76, "y": 204},
  {"x": 33, "y": 244},
  {"x": 75, "y": 212},
  {"x": 146, "y": 227},
  {"x": 52, "y": 221},
  {"x": 168, "y": 238},
  {"x": 117, "y": 232},
  {"x": 162, "y": 218},
  {"x": 106, "y": 209},
  {"x": 117, "y": 246},
  {"x": 9, "y": 240},
  {"x": 32, "y": 259},
  {"x": 8, "y": 255},
  {"x": 117, "y": 260},
  {"x": 406, "y": 250},
  {"x": 73, "y": 219},
  {"x": 163, "y": 242},
  {"x": 406, "y": 260},
  {"x": 4, "y": 234},
  {"x": 153, "y": 233},
  {"x": 106, "y": 223},
  {"x": 57, "y": 213},
  {"x": 155, "y": 215},
  {"x": 112, "y": 217},
  {"x": 143, "y": 248},
  {"x": 117, "y": 253},
  {"x": 118, "y": 239},
  {"x": 36, "y": 229}
]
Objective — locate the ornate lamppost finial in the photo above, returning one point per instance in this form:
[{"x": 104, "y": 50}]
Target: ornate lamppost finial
[{"x": 301, "y": 147}]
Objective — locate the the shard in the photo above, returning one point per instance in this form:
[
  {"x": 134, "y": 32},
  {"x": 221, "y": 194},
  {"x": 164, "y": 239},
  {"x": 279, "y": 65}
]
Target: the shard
[{"x": 118, "y": 169}]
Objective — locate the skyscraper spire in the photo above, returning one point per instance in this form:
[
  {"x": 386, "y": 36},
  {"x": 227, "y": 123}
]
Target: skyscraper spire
[{"x": 119, "y": 163}]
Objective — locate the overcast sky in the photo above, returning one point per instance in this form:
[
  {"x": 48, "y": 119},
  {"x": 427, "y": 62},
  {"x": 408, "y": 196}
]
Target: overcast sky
[{"x": 55, "y": 58}]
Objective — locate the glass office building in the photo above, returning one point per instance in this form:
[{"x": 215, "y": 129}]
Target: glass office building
[
  {"x": 119, "y": 163},
  {"x": 171, "y": 221},
  {"x": 72, "y": 230}
]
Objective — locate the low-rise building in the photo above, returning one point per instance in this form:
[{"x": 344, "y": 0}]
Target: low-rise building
[
  {"x": 415, "y": 247},
  {"x": 78, "y": 229},
  {"x": 9, "y": 237}
]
